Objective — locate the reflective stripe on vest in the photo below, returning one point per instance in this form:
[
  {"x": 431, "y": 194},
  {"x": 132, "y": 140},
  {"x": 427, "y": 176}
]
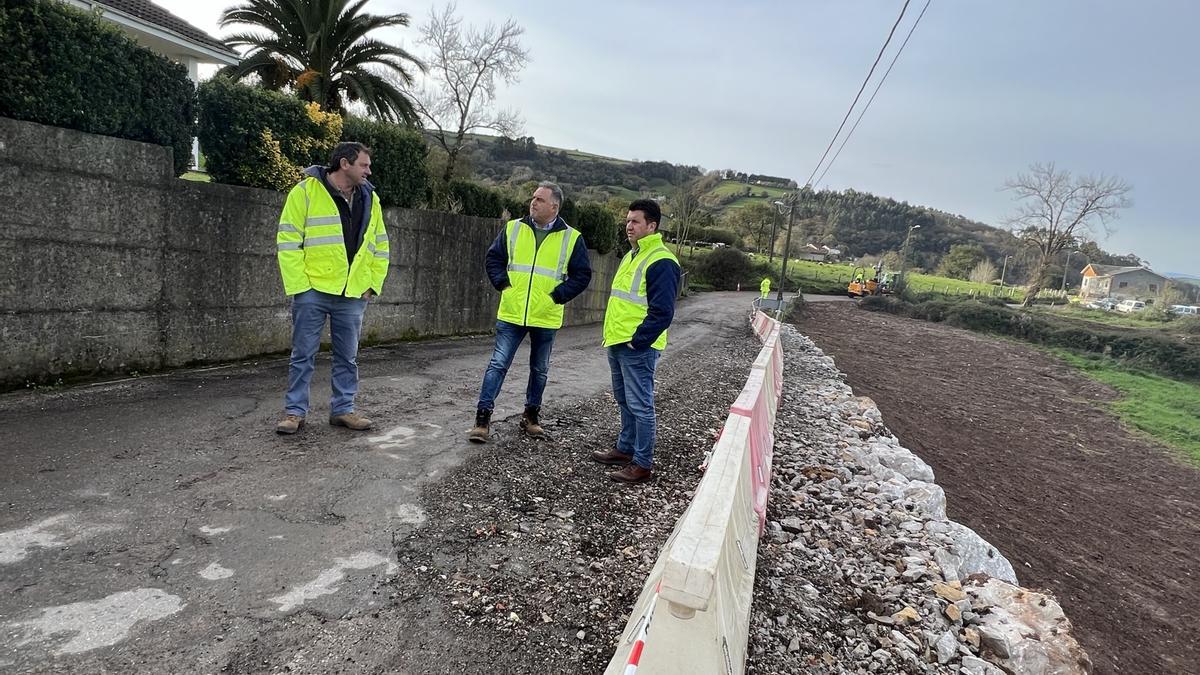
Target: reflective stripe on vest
[{"x": 633, "y": 295}]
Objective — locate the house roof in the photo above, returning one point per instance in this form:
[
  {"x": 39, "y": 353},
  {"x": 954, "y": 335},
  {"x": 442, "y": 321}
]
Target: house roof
[
  {"x": 1114, "y": 270},
  {"x": 153, "y": 14}
]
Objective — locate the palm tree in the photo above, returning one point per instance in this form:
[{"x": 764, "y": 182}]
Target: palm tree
[{"x": 321, "y": 50}]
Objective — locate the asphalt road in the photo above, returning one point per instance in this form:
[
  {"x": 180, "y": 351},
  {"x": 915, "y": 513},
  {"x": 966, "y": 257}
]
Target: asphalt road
[{"x": 159, "y": 524}]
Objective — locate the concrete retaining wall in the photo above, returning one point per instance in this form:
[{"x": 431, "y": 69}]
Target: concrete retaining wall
[{"x": 109, "y": 264}]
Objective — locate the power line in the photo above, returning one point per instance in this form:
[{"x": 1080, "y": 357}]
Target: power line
[
  {"x": 860, "y": 91},
  {"x": 868, "y": 105}
]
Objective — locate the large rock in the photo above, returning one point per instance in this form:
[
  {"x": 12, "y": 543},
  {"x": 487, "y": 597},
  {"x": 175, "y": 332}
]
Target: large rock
[
  {"x": 902, "y": 462},
  {"x": 976, "y": 556},
  {"x": 1026, "y": 631}
]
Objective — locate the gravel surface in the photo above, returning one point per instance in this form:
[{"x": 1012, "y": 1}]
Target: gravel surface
[{"x": 536, "y": 558}]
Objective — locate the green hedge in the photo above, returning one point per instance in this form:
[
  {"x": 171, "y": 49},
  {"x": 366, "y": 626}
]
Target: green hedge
[
  {"x": 67, "y": 68},
  {"x": 397, "y": 159},
  {"x": 1151, "y": 351},
  {"x": 599, "y": 226},
  {"x": 261, "y": 138},
  {"x": 264, "y": 139},
  {"x": 474, "y": 199}
]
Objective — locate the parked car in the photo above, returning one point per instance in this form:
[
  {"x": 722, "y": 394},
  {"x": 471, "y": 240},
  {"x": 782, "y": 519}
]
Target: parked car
[
  {"x": 1106, "y": 304},
  {"x": 1184, "y": 310},
  {"x": 1129, "y": 306}
]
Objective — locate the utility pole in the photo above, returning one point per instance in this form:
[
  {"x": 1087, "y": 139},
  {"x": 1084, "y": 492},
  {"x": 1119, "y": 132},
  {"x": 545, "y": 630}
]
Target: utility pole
[
  {"x": 774, "y": 224},
  {"x": 1004, "y": 271},
  {"x": 791, "y": 211}
]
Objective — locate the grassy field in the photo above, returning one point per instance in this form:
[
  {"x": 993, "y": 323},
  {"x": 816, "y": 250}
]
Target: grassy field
[
  {"x": 196, "y": 176},
  {"x": 1166, "y": 410},
  {"x": 730, "y": 187},
  {"x": 928, "y": 283},
  {"x": 825, "y": 275}
]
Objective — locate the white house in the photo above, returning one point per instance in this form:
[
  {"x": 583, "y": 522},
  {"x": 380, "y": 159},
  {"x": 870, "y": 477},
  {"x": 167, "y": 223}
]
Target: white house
[{"x": 161, "y": 31}]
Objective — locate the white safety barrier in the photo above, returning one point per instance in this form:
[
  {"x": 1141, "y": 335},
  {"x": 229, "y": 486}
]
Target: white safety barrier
[{"x": 694, "y": 611}]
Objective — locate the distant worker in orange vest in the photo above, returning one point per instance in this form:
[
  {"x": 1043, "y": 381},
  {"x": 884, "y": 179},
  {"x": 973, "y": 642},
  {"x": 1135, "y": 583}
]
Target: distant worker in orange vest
[{"x": 765, "y": 287}]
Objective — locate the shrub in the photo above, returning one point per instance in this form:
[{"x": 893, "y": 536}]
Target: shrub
[
  {"x": 68, "y": 68},
  {"x": 883, "y": 303},
  {"x": 397, "y": 159},
  {"x": 479, "y": 200},
  {"x": 598, "y": 225},
  {"x": 260, "y": 138},
  {"x": 723, "y": 269},
  {"x": 720, "y": 236}
]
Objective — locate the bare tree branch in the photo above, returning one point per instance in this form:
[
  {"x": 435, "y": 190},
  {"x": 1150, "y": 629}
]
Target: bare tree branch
[
  {"x": 467, "y": 65},
  {"x": 1057, "y": 209}
]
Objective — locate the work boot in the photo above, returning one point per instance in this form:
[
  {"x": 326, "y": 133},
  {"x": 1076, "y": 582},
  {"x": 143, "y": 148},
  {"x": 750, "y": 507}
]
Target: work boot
[
  {"x": 483, "y": 420},
  {"x": 529, "y": 422},
  {"x": 290, "y": 425},
  {"x": 614, "y": 457},
  {"x": 632, "y": 473},
  {"x": 351, "y": 420}
]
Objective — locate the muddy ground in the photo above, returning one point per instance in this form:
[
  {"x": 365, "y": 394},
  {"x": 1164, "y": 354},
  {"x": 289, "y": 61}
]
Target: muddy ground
[{"x": 1031, "y": 458}]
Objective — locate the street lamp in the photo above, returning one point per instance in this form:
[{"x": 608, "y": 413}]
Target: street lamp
[
  {"x": 1004, "y": 270},
  {"x": 1066, "y": 267},
  {"x": 787, "y": 245},
  {"x": 904, "y": 253}
]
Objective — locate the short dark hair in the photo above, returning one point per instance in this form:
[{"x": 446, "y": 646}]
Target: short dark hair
[
  {"x": 349, "y": 151},
  {"x": 649, "y": 209}
]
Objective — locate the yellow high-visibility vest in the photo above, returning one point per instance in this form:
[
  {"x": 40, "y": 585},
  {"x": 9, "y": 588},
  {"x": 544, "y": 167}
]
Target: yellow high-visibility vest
[
  {"x": 533, "y": 272},
  {"x": 628, "y": 305},
  {"x": 312, "y": 252}
]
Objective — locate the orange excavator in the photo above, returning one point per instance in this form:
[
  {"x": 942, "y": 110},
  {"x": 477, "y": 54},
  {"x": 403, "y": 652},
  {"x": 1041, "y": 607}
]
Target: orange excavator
[{"x": 878, "y": 284}]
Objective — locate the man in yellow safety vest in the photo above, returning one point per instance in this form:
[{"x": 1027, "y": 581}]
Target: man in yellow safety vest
[
  {"x": 538, "y": 263},
  {"x": 765, "y": 287},
  {"x": 332, "y": 249},
  {"x": 641, "y": 306}
]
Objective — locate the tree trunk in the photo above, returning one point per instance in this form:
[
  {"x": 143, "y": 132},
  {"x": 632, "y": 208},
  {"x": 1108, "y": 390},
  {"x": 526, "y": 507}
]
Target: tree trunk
[
  {"x": 1036, "y": 284},
  {"x": 451, "y": 161}
]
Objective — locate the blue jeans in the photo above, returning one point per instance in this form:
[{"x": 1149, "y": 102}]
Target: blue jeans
[
  {"x": 508, "y": 338},
  {"x": 633, "y": 387},
  {"x": 309, "y": 310}
]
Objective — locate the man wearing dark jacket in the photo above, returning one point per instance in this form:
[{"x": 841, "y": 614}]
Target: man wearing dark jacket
[
  {"x": 538, "y": 263},
  {"x": 641, "y": 306},
  {"x": 333, "y": 250}
]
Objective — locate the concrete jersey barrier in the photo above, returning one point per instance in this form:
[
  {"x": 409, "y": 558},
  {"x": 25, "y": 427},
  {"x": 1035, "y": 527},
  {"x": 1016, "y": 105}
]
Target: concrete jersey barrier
[{"x": 693, "y": 613}]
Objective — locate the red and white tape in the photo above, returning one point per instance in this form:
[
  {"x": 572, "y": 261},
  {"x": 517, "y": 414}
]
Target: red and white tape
[{"x": 635, "y": 654}]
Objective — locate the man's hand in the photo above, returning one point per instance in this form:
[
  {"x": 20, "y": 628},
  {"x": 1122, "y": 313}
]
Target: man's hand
[{"x": 368, "y": 294}]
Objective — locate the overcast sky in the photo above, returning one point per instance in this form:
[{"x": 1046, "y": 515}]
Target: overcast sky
[{"x": 982, "y": 90}]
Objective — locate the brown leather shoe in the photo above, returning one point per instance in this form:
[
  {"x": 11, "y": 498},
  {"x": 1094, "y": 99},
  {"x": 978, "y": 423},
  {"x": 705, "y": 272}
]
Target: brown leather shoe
[
  {"x": 530, "y": 424},
  {"x": 632, "y": 473},
  {"x": 290, "y": 425},
  {"x": 611, "y": 457},
  {"x": 351, "y": 421}
]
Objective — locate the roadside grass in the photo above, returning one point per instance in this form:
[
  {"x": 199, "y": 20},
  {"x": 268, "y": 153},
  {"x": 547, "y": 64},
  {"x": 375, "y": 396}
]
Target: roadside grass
[
  {"x": 1101, "y": 317},
  {"x": 1166, "y": 410}
]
